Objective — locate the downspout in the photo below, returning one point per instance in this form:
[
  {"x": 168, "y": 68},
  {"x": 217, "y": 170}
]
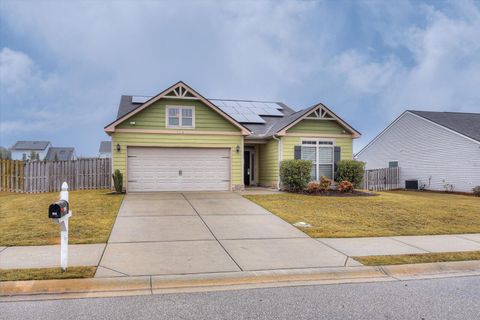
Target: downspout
[{"x": 279, "y": 159}]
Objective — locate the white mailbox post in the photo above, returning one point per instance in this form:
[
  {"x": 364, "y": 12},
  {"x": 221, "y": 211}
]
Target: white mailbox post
[{"x": 56, "y": 209}]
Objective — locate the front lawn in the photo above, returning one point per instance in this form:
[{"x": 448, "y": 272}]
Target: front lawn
[
  {"x": 390, "y": 213},
  {"x": 24, "y": 217}
]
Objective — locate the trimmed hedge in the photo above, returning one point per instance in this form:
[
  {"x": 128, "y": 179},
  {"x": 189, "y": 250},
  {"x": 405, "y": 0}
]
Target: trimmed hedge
[
  {"x": 295, "y": 174},
  {"x": 350, "y": 170}
]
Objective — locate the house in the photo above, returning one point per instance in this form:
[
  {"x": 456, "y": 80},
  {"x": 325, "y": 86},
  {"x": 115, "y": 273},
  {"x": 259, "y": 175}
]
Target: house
[
  {"x": 22, "y": 150},
  {"x": 439, "y": 149},
  {"x": 180, "y": 140},
  {"x": 105, "y": 149},
  {"x": 60, "y": 154}
]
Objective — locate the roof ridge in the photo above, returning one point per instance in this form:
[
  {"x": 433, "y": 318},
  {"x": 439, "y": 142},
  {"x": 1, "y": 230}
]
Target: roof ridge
[
  {"x": 244, "y": 100},
  {"x": 458, "y": 112}
]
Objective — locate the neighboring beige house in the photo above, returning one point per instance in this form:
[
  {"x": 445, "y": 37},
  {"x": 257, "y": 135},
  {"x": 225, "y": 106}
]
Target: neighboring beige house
[{"x": 180, "y": 140}]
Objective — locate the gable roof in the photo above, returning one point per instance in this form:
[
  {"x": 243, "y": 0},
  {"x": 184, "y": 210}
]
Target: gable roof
[
  {"x": 62, "y": 154},
  {"x": 262, "y": 119},
  {"x": 30, "y": 145},
  {"x": 470, "y": 127},
  {"x": 181, "y": 91},
  {"x": 467, "y": 124},
  {"x": 105, "y": 147}
]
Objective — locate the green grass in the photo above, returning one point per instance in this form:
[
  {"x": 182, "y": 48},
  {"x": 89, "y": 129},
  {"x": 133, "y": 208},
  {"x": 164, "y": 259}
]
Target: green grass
[
  {"x": 391, "y": 213},
  {"x": 418, "y": 258},
  {"x": 46, "y": 273},
  {"x": 24, "y": 217}
]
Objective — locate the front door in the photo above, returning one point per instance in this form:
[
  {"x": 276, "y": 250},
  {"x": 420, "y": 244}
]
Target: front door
[{"x": 246, "y": 168}]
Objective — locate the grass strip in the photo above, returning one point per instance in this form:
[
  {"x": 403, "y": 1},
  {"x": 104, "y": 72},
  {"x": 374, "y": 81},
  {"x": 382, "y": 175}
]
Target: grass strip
[
  {"x": 418, "y": 258},
  {"x": 46, "y": 273}
]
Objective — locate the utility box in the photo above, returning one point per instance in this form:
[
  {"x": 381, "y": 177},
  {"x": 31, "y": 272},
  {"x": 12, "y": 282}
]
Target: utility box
[
  {"x": 58, "y": 209},
  {"x": 411, "y": 184}
]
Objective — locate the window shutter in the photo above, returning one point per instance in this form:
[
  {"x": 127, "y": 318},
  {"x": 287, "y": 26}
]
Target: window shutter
[
  {"x": 336, "y": 157},
  {"x": 297, "y": 153}
]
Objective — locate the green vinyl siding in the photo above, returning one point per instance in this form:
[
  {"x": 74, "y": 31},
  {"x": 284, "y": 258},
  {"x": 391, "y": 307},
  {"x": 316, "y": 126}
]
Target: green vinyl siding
[
  {"x": 289, "y": 143},
  {"x": 268, "y": 163},
  {"x": 153, "y": 117},
  {"x": 317, "y": 126},
  {"x": 125, "y": 139}
]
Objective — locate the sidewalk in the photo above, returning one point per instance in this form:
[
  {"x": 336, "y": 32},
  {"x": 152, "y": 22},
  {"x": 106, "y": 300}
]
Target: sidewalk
[{"x": 90, "y": 254}]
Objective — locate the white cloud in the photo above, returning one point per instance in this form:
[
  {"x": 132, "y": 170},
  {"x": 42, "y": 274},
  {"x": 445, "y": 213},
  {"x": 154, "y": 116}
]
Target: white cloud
[
  {"x": 363, "y": 75},
  {"x": 443, "y": 76},
  {"x": 19, "y": 73},
  {"x": 368, "y": 61}
]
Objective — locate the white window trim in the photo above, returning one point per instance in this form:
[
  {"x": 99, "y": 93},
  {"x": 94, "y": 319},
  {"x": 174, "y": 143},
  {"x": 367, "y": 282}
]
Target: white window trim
[
  {"x": 180, "y": 117},
  {"x": 317, "y": 146}
]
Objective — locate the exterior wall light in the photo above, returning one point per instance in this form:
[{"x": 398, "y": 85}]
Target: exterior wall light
[
  {"x": 118, "y": 147},
  {"x": 238, "y": 148}
]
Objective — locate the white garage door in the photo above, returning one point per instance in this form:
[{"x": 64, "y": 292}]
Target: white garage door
[{"x": 178, "y": 169}]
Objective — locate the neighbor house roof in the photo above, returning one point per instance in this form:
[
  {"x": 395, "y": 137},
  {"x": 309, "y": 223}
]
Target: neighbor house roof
[
  {"x": 262, "y": 118},
  {"x": 62, "y": 154},
  {"x": 105, "y": 147},
  {"x": 30, "y": 145},
  {"x": 467, "y": 124}
]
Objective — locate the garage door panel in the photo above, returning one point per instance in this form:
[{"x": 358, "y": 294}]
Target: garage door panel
[{"x": 157, "y": 169}]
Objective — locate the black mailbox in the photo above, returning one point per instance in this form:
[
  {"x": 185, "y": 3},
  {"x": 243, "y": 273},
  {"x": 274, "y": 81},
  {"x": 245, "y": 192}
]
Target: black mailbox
[{"x": 58, "y": 209}]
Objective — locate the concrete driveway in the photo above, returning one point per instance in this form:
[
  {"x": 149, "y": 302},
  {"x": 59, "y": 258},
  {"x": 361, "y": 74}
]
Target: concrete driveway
[{"x": 172, "y": 233}]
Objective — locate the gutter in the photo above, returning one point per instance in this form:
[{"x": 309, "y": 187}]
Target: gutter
[{"x": 279, "y": 158}]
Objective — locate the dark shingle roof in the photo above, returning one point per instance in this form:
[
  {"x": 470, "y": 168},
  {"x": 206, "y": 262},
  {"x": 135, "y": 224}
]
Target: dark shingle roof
[
  {"x": 105, "y": 147},
  {"x": 272, "y": 124},
  {"x": 126, "y": 106},
  {"x": 30, "y": 145},
  {"x": 63, "y": 154},
  {"x": 258, "y": 129},
  {"x": 467, "y": 124}
]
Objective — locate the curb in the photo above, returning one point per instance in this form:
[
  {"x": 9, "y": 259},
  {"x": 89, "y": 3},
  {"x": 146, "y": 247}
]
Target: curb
[{"x": 147, "y": 285}]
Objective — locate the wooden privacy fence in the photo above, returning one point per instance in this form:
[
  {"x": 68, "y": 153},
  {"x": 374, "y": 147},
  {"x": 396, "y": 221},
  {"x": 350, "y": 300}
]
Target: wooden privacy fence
[
  {"x": 381, "y": 179},
  {"x": 47, "y": 176}
]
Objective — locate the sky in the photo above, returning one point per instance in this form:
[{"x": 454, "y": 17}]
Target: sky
[{"x": 65, "y": 64}]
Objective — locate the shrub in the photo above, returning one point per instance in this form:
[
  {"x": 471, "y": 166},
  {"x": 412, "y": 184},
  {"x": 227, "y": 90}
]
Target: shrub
[
  {"x": 295, "y": 174},
  {"x": 476, "y": 191},
  {"x": 350, "y": 170},
  {"x": 118, "y": 181},
  {"x": 313, "y": 186},
  {"x": 345, "y": 186},
  {"x": 325, "y": 183}
]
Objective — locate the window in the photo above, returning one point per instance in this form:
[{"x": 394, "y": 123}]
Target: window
[
  {"x": 393, "y": 164},
  {"x": 320, "y": 152},
  {"x": 180, "y": 117}
]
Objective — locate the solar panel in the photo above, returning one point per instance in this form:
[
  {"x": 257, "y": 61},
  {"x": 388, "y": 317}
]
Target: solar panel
[
  {"x": 253, "y": 118},
  {"x": 248, "y": 111},
  {"x": 140, "y": 99}
]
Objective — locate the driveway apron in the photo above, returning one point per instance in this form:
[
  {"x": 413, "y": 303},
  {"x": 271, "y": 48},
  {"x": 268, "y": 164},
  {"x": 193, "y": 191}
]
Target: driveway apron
[{"x": 170, "y": 233}]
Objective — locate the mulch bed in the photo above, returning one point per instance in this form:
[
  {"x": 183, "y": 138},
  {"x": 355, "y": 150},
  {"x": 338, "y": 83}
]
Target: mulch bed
[{"x": 336, "y": 193}]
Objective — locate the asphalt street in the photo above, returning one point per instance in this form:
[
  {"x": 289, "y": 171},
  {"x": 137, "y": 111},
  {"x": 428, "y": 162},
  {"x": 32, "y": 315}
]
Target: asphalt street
[{"x": 452, "y": 298}]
